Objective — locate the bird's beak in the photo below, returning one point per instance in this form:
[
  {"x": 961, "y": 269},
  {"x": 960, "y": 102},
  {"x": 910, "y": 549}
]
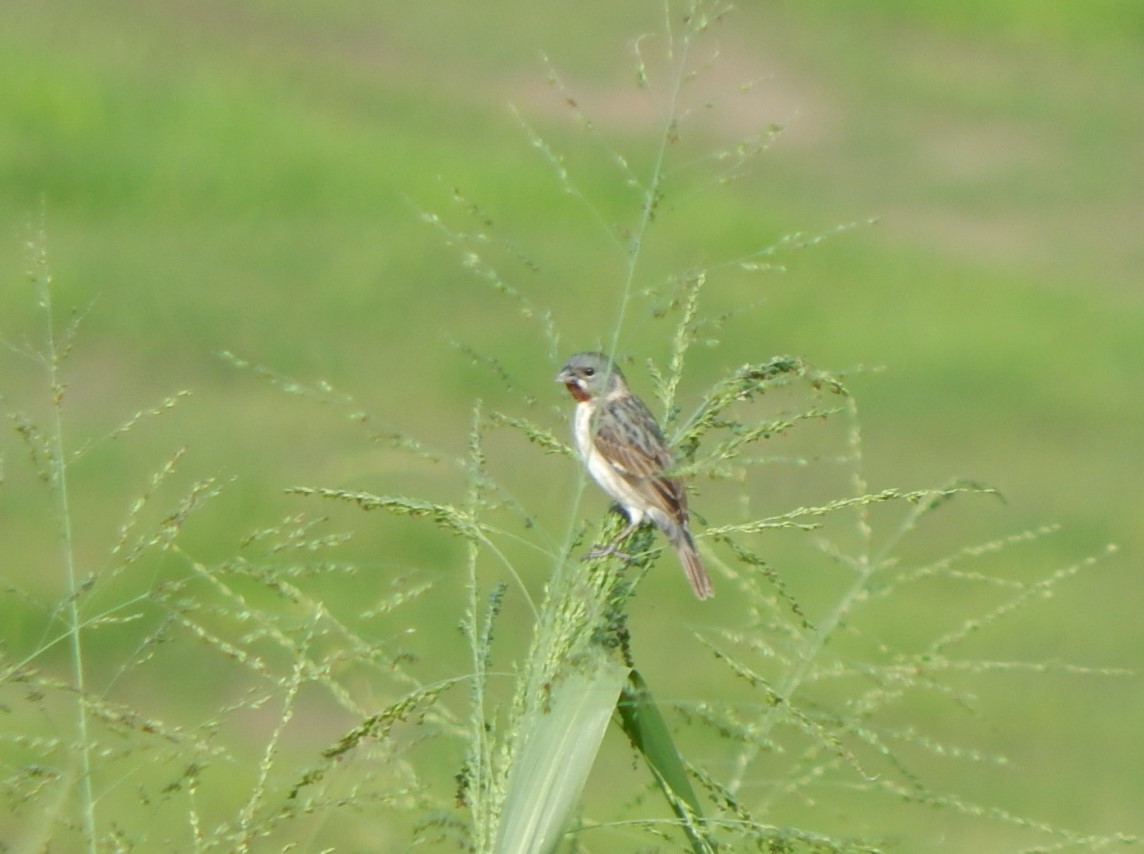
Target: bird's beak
[{"x": 564, "y": 376}]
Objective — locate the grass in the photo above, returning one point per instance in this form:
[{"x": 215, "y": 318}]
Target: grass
[{"x": 294, "y": 211}]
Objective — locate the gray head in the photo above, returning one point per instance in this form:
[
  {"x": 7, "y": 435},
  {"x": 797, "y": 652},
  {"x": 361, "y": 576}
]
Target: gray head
[{"x": 589, "y": 375}]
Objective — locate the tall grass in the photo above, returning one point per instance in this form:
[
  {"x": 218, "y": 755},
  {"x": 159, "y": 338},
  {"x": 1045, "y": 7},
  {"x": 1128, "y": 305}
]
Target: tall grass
[
  {"x": 315, "y": 722},
  {"x": 52, "y": 453}
]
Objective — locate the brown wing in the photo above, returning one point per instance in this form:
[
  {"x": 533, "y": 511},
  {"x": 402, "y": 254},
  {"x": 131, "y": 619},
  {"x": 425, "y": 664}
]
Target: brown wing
[{"x": 629, "y": 438}]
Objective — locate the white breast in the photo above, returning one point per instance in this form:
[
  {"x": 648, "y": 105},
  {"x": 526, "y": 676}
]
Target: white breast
[{"x": 601, "y": 470}]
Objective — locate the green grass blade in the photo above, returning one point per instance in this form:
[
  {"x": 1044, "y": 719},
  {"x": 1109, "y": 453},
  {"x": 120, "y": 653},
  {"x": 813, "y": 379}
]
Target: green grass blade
[
  {"x": 558, "y": 750},
  {"x": 648, "y": 732}
]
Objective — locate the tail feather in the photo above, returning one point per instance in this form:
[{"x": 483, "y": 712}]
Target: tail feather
[{"x": 689, "y": 556}]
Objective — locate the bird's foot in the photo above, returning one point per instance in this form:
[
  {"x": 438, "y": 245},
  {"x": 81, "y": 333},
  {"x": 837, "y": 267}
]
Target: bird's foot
[{"x": 607, "y": 551}]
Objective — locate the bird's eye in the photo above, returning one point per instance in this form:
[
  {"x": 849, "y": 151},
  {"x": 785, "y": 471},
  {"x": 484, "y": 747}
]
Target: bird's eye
[{"x": 589, "y": 372}]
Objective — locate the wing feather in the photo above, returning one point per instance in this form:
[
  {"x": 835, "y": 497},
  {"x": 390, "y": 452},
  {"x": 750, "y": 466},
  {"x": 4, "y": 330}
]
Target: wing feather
[{"x": 628, "y": 437}]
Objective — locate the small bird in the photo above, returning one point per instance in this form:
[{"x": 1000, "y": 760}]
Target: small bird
[{"x": 621, "y": 444}]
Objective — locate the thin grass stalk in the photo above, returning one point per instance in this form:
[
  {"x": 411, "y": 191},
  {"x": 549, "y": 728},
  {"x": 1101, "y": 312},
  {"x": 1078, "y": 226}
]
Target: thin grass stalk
[{"x": 52, "y": 358}]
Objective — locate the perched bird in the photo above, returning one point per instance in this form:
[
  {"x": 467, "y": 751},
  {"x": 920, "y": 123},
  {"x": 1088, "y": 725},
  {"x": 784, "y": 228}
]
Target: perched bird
[{"x": 621, "y": 444}]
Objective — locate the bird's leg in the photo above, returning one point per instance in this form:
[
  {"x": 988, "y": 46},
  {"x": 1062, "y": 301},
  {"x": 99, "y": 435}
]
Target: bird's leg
[{"x": 610, "y": 549}]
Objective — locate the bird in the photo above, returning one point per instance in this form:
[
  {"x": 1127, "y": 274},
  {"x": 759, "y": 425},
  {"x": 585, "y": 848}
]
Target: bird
[{"x": 622, "y": 447}]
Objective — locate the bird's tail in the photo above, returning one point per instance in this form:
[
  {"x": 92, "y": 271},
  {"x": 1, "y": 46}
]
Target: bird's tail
[{"x": 689, "y": 556}]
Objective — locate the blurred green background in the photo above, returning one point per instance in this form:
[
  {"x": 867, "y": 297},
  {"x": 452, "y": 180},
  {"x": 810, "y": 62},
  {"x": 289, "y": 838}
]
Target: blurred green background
[{"x": 252, "y": 177}]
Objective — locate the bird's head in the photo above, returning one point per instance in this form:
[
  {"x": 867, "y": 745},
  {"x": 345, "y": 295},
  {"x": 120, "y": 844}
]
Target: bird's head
[{"x": 590, "y": 375}]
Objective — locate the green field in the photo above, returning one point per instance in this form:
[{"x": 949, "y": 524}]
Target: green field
[{"x": 367, "y": 201}]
